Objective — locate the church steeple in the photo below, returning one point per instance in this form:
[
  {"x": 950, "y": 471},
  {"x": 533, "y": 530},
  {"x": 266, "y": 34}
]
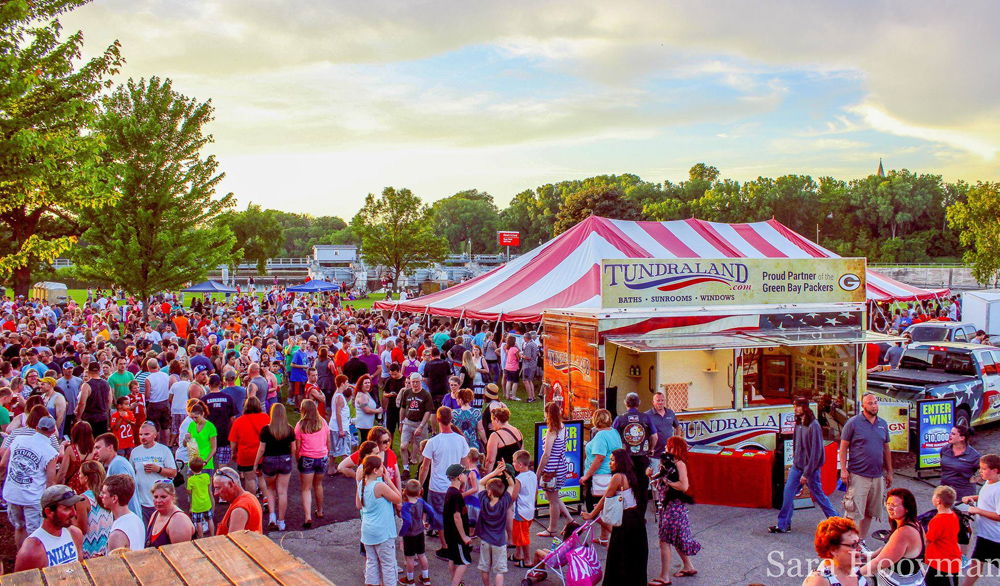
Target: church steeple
[{"x": 880, "y": 172}]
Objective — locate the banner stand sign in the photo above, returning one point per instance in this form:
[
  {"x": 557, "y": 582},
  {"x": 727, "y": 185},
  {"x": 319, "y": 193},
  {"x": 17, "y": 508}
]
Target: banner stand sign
[
  {"x": 935, "y": 418},
  {"x": 571, "y": 493},
  {"x": 897, "y": 415}
]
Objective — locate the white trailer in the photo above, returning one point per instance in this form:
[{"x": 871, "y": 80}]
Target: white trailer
[{"x": 982, "y": 308}]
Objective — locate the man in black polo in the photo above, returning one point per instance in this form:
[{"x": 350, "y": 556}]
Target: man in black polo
[
  {"x": 638, "y": 437},
  {"x": 436, "y": 373}
]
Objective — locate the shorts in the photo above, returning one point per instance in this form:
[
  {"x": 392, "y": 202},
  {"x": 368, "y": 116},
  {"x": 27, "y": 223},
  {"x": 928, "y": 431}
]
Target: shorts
[
  {"x": 414, "y": 545},
  {"x": 272, "y": 466},
  {"x": 309, "y": 465},
  {"x": 528, "y": 373},
  {"x": 409, "y": 428},
  {"x": 459, "y": 553},
  {"x": 28, "y": 517},
  {"x": 865, "y": 498},
  {"x": 159, "y": 413},
  {"x": 492, "y": 558},
  {"x": 436, "y": 501},
  {"x": 512, "y": 376},
  {"x": 222, "y": 456},
  {"x": 521, "y": 535},
  {"x": 175, "y": 423},
  {"x": 986, "y": 551},
  {"x": 244, "y": 469}
]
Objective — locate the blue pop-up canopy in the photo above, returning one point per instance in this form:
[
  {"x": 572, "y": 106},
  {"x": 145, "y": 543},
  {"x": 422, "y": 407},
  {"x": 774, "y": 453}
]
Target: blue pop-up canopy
[
  {"x": 314, "y": 286},
  {"x": 210, "y": 287}
]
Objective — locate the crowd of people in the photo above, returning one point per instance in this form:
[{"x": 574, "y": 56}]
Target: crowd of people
[{"x": 110, "y": 411}]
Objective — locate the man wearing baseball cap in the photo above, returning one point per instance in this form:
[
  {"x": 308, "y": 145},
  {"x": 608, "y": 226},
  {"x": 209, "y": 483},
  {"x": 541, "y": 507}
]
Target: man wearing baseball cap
[
  {"x": 69, "y": 386},
  {"x": 58, "y": 540}
]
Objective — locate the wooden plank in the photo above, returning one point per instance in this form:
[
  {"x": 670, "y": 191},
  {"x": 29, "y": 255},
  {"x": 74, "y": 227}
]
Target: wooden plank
[
  {"x": 66, "y": 575},
  {"x": 151, "y": 568},
  {"x": 110, "y": 570},
  {"x": 192, "y": 565},
  {"x": 280, "y": 564},
  {"x": 22, "y": 578},
  {"x": 233, "y": 562}
]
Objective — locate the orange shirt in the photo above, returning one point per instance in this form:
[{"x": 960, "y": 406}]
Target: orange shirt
[
  {"x": 942, "y": 542},
  {"x": 245, "y": 433},
  {"x": 181, "y": 324},
  {"x": 247, "y": 502},
  {"x": 123, "y": 426}
]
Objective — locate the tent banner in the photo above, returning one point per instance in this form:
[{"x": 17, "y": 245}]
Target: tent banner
[{"x": 698, "y": 282}]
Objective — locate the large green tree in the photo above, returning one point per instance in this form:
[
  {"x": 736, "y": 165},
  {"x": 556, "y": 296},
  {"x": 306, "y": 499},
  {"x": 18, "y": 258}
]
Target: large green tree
[
  {"x": 978, "y": 220},
  {"x": 163, "y": 231},
  {"x": 257, "y": 235},
  {"x": 600, "y": 200},
  {"x": 468, "y": 216},
  {"x": 50, "y": 164},
  {"x": 302, "y": 231},
  {"x": 397, "y": 233}
]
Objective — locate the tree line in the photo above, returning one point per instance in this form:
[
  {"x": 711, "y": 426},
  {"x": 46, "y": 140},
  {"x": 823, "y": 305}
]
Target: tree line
[{"x": 115, "y": 177}]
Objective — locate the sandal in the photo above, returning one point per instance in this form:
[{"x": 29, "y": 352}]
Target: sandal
[
  {"x": 685, "y": 573},
  {"x": 319, "y": 514},
  {"x": 521, "y": 564},
  {"x": 658, "y": 582},
  {"x": 545, "y": 533},
  {"x": 602, "y": 542}
]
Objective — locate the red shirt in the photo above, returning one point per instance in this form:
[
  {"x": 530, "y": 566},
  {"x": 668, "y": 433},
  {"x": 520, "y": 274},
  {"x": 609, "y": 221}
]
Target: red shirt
[
  {"x": 123, "y": 426},
  {"x": 397, "y": 355},
  {"x": 245, "y": 433},
  {"x": 942, "y": 542},
  {"x": 248, "y": 503},
  {"x": 138, "y": 402}
]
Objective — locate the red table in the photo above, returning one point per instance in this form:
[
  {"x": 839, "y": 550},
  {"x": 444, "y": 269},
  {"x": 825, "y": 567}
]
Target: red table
[{"x": 733, "y": 477}]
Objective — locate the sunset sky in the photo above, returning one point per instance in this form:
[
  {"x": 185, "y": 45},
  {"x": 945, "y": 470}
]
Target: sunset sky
[{"x": 319, "y": 102}]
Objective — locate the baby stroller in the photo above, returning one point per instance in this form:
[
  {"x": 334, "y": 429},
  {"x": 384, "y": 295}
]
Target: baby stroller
[{"x": 574, "y": 561}]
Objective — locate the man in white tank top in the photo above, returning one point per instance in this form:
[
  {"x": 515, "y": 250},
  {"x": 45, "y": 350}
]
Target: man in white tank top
[
  {"x": 58, "y": 540},
  {"x": 127, "y": 531}
]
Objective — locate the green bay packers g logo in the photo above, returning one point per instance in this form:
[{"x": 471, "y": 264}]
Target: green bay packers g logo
[{"x": 849, "y": 282}]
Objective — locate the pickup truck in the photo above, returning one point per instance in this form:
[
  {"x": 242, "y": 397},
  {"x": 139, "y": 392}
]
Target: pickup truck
[
  {"x": 968, "y": 372},
  {"x": 941, "y": 331}
]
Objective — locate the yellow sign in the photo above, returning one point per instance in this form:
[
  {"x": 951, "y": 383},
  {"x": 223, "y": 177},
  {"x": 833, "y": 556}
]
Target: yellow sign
[
  {"x": 897, "y": 415},
  {"x": 680, "y": 282}
]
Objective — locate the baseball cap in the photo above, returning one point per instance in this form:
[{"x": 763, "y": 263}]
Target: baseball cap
[
  {"x": 49, "y": 380},
  {"x": 46, "y": 424},
  {"x": 200, "y": 368},
  {"x": 60, "y": 494},
  {"x": 68, "y": 364},
  {"x": 456, "y": 470},
  {"x": 230, "y": 375}
]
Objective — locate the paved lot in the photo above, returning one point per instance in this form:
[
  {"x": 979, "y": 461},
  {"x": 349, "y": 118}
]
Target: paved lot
[{"x": 736, "y": 548}]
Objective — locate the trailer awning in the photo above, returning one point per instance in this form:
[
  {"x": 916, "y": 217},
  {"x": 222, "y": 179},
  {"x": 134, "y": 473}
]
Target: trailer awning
[{"x": 750, "y": 339}]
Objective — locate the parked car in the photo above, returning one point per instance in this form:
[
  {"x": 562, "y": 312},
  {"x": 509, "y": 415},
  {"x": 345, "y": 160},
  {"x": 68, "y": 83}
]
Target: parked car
[
  {"x": 941, "y": 331},
  {"x": 968, "y": 372}
]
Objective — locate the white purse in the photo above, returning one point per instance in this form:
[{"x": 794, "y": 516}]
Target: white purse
[{"x": 614, "y": 508}]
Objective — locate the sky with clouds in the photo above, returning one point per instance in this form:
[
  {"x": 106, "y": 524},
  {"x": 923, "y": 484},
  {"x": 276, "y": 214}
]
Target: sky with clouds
[{"x": 319, "y": 102}]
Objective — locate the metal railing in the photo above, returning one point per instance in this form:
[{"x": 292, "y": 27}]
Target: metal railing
[{"x": 908, "y": 265}]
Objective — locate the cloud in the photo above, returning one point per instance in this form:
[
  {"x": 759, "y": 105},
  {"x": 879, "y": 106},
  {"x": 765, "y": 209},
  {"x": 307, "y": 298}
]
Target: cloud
[{"x": 964, "y": 140}]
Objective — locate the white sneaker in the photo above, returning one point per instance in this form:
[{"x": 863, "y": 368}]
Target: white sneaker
[{"x": 281, "y": 525}]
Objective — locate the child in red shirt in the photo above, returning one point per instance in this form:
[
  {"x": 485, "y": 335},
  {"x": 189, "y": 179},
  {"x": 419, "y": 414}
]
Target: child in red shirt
[
  {"x": 123, "y": 426},
  {"x": 137, "y": 403},
  {"x": 942, "y": 552}
]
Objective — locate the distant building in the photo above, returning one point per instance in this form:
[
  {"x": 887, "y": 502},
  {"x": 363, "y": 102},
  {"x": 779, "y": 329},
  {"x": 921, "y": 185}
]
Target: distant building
[{"x": 335, "y": 255}]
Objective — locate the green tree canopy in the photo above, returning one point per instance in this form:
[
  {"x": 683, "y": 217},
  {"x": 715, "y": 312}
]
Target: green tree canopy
[
  {"x": 50, "y": 164},
  {"x": 397, "y": 233},
  {"x": 468, "y": 216},
  {"x": 257, "y": 236},
  {"x": 601, "y": 200},
  {"x": 163, "y": 231},
  {"x": 978, "y": 220},
  {"x": 302, "y": 231}
]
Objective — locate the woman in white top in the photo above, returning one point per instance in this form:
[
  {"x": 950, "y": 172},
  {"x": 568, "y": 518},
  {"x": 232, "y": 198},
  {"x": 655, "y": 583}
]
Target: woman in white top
[
  {"x": 839, "y": 546},
  {"x": 366, "y": 408},
  {"x": 341, "y": 439}
]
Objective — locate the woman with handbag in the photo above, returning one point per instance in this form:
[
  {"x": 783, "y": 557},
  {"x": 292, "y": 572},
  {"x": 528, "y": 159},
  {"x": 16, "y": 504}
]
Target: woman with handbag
[
  {"x": 552, "y": 468},
  {"x": 619, "y": 509},
  {"x": 597, "y": 467},
  {"x": 674, "y": 528}
]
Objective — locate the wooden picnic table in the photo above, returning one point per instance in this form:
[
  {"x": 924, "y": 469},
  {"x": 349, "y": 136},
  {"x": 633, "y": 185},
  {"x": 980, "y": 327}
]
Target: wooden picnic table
[{"x": 241, "y": 558}]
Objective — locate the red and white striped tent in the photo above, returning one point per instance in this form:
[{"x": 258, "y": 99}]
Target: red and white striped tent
[{"x": 564, "y": 273}]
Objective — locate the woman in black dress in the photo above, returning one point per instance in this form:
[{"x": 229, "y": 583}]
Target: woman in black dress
[{"x": 628, "y": 541}]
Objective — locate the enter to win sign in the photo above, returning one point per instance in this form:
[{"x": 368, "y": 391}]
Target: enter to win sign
[{"x": 935, "y": 418}]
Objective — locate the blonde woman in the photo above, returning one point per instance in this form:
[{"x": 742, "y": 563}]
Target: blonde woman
[
  {"x": 274, "y": 460},
  {"x": 312, "y": 438}
]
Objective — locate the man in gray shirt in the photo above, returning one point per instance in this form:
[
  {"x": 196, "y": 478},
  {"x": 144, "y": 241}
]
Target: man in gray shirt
[
  {"x": 865, "y": 464},
  {"x": 807, "y": 461}
]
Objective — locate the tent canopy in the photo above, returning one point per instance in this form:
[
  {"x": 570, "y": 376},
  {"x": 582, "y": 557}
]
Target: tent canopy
[
  {"x": 314, "y": 286},
  {"x": 210, "y": 287},
  {"x": 565, "y": 272}
]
